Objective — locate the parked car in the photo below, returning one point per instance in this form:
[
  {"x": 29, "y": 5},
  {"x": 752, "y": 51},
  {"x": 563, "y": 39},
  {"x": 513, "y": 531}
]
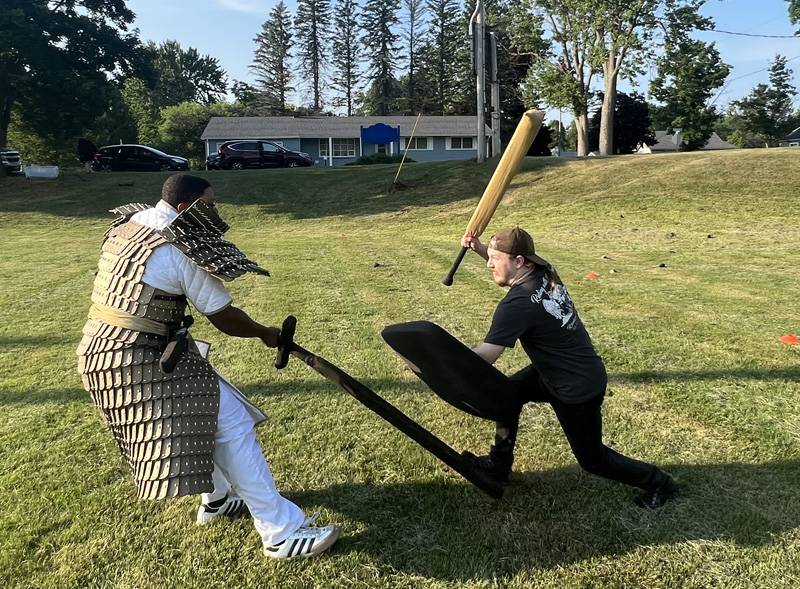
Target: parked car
[
  {"x": 10, "y": 161},
  {"x": 136, "y": 158},
  {"x": 252, "y": 153}
]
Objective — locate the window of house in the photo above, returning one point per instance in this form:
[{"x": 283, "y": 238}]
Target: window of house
[
  {"x": 347, "y": 147},
  {"x": 416, "y": 143},
  {"x": 461, "y": 143}
]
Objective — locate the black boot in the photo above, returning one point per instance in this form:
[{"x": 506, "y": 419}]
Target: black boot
[
  {"x": 659, "y": 496},
  {"x": 500, "y": 458},
  {"x": 490, "y": 465}
]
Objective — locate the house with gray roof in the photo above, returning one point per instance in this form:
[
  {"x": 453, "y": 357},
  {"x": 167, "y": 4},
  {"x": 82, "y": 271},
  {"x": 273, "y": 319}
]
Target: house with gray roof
[
  {"x": 792, "y": 139},
  {"x": 669, "y": 142},
  {"x": 335, "y": 141}
]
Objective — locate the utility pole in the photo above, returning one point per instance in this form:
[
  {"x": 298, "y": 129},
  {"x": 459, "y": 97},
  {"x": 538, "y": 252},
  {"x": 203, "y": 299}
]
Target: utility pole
[
  {"x": 477, "y": 22},
  {"x": 496, "y": 147}
]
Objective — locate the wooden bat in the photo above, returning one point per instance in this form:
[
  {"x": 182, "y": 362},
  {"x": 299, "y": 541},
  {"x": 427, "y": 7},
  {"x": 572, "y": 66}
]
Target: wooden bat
[{"x": 526, "y": 131}]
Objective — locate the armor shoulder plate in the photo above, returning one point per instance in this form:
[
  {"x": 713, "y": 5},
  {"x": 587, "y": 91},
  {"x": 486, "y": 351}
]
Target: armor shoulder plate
[
  {"x": 124, "y": 213},
  {"x": 197, "y": 232}
]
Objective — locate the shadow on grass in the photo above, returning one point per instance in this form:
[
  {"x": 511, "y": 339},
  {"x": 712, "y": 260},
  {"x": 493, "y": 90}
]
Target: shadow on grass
[
  {"x": 557, "y": 518},
  {"x": 43, "y": 396},
  {"x": 316, "y": 386},
  {"x": 778, "y": 373},
  {"x": 306, "y": 193},
  {"x": 27, "y": 341}
]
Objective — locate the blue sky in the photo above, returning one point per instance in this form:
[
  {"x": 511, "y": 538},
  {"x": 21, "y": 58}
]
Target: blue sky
[{"x": 226, "y": 29}]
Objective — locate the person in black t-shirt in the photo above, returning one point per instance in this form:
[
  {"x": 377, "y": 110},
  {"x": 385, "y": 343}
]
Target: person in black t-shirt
[{"x": 565, "y": 371}]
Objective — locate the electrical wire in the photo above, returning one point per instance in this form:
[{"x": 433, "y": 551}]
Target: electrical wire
[
  {"x": 753, "y": 34},
  {"x": 728, "y": 83}
]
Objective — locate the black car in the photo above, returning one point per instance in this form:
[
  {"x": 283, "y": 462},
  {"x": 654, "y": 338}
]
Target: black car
[
  {"x": 136, "y": 158},
  {"x": 254, "y": 153}
]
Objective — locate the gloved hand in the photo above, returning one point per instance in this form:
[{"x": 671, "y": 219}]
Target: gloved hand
[{"x": 270, "y": 336}]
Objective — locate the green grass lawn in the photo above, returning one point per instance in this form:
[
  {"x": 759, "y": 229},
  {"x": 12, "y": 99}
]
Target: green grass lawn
[{"x": 698, "y": 257}]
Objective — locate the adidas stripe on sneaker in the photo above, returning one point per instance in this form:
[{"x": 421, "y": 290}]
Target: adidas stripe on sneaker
[
  {"x": 304, "y": 542},
  {"x": 229, "y": 506}
]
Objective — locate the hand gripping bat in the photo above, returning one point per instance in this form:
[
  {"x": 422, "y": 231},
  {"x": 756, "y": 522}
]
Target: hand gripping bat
[{"x": 526, "y": 132}]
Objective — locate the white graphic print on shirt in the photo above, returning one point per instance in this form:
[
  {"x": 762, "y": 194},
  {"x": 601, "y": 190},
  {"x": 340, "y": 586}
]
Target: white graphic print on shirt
[{"x": 557, "y": 303}]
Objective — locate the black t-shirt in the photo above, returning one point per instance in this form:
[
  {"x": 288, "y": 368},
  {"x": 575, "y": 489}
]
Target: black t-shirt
[{"x": 552, "y": 334}]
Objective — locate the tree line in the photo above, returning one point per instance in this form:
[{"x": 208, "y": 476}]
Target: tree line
[{"x": 75, "y": 68}]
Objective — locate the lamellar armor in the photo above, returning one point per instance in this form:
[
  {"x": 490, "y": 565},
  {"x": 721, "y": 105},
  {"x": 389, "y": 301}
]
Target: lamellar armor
[{"x": 164, "y": 423}]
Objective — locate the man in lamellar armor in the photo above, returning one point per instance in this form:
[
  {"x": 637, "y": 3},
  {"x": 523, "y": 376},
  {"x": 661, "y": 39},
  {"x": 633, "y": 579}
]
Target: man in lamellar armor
[{"x": 182, "y": 428}]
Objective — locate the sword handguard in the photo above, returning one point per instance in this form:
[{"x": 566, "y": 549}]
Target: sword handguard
[{"x": 285, "y": 341}]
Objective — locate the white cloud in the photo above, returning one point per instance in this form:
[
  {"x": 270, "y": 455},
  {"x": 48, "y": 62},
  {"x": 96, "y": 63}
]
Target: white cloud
[{"x": 250, "y": 6}]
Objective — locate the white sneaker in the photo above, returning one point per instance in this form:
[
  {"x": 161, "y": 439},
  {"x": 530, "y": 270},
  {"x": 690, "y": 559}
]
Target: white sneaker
[
  {"x": 308, "y": 540},
  {"x": 232, "y": 507}
]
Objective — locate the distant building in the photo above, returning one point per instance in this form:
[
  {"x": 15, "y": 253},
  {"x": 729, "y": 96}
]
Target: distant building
[
  {"x": 335, "y": 141},
  {"x": 792, "y": 139},
  {"x": 668, "y": 142}
]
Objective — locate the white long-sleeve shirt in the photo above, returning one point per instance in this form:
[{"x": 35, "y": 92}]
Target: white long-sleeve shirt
[{"x": 170, "y": 270}]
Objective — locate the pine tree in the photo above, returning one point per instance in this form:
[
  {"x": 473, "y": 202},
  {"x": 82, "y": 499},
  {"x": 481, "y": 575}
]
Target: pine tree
[
  {"x": 782, "y": 95},
  {"x": 415, "y": 22},
  {"x": 345, "y": 54},
  {"x": 445, "y": 35},
  {"x": 767, "y": 111},
  {"x": 379, "y": 21},
  {"x": 272, "y": 62},
  {"x": 311, "y": 25}
]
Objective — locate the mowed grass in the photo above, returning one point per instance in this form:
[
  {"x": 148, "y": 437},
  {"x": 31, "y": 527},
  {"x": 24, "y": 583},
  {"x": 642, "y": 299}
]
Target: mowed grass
[{"x": 697, "y": 256}]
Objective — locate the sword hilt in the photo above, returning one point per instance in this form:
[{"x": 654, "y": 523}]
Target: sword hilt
[{"x": 285, "y": 341}]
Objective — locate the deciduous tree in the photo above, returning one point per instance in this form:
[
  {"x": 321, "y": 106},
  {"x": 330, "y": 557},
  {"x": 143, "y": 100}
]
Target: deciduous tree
[
  {"x": 56, "y": 57},
  {"x": 688, "y": 73},
  {"x": 632, "y": 124}
]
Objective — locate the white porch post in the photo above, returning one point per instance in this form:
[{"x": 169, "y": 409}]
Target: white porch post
[{"x": 330, "y": 151}]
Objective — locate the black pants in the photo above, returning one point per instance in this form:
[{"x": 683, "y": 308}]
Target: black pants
[{"x": 583, "y": 426}]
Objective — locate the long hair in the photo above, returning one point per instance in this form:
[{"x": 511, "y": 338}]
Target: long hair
[{"x": 554, "y": 278}]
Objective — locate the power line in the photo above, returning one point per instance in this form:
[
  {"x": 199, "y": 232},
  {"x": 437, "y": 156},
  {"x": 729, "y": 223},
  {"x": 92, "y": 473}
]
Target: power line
[
  {"x": 728, "y": 83},
  {"x": 753, "y": 34}
]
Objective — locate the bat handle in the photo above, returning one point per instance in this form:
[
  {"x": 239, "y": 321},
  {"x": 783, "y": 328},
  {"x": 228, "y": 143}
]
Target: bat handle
[{"x": 448, "y": 279}]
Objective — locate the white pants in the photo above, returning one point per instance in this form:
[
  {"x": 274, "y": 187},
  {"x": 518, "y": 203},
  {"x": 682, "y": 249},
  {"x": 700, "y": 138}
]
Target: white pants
[{"x": 239, "y": 465}]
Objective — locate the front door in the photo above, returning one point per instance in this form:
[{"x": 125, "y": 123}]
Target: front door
[{"x": 382, "y": 148}]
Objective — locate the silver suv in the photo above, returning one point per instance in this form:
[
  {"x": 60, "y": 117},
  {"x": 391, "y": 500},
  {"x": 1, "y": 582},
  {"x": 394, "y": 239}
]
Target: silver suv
[{"x": 9, "y": 160}]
